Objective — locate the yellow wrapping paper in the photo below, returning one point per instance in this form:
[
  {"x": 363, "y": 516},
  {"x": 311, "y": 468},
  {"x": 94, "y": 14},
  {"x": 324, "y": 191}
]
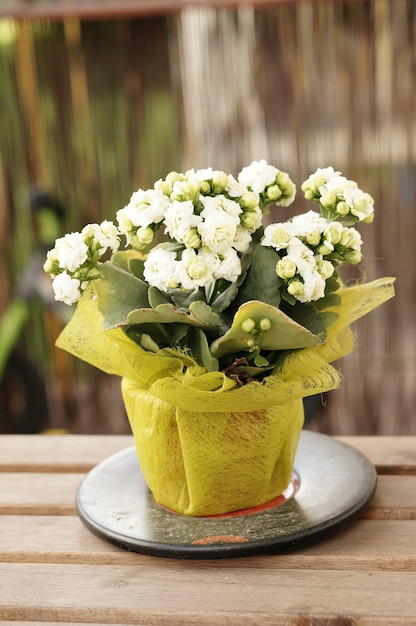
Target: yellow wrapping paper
[{"x": 207, "y": 446}]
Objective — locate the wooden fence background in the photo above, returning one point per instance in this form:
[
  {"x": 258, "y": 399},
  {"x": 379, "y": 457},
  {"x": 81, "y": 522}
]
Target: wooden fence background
[{"x": 92, "y": 109}]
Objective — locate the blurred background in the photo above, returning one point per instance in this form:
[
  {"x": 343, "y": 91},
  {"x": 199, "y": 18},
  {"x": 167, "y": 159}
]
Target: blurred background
[{"x": 98, "y": 99}]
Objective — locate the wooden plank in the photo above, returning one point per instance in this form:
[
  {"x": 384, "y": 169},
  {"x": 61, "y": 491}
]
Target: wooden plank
[
  {"x": 79, "y": 453},
  {"x": 54, "y": 494},
  {"x": 395, "y": 498},
  {"x": 390, "y": 455},
  {"x": 38, "y": 494},
  {"x": 193, "y": 593},
  {"x": 361, "y": 545},
  {"x": 58, "y": 453}
]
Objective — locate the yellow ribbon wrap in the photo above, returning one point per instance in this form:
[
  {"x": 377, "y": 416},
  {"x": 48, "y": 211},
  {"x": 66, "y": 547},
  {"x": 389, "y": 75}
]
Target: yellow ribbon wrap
[{"x": 207, "y": 446}]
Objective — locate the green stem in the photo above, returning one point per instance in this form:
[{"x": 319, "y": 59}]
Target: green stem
[{"x": 10, "y": 327}]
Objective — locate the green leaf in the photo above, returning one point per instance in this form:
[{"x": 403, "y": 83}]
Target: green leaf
[
  {"x": 260, "y": 361},
  {"x": 199, "y": 315},
  {"x": 119, "y": 292},
  {"x": 183, "y": 299},
  {"x": 226, "y": 291},
  {"x": 199, "y": 347},
  {"x": 308, "y": 316},
  {"x": 262, "y": 282},
  {"x": 157, "y": 297},
  {"x": 123, "y": 258},
  {"x": 162, "y": 335},
  {"x": 284, "y": 332},
  {"x": 136, "y": 267}
]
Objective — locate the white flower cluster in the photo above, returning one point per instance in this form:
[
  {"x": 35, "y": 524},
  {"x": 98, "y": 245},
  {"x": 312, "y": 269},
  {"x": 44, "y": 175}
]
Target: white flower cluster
[
  {"x": 308, "y": 247},
  {"x": 338, "y": 196},
  {"x": 76, "y": 255},
  {"x": 210, "y": 215},
  {"x": 208, "y": 219}
]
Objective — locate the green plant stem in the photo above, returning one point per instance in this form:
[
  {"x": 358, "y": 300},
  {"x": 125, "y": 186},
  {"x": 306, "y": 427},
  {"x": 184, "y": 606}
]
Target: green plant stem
[{"x": 10, "y": 327}]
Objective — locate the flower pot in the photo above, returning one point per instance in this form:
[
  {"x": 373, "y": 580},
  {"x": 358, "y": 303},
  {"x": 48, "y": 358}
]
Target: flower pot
[{"x": 207, "y": 462}]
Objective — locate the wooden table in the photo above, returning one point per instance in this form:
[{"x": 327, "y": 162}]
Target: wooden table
[{"x": 53, "y": 570}]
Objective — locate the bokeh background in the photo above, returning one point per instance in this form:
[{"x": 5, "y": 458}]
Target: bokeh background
[{"x": 97, "y": 103}]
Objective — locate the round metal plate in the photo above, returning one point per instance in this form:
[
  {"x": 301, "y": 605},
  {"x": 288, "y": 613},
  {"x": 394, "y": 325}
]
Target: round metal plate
[{"x": 331, "y": 484}]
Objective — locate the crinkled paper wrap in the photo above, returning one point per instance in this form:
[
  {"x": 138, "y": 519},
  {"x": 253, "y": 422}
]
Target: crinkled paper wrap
[{"x": 207, "y": 446}]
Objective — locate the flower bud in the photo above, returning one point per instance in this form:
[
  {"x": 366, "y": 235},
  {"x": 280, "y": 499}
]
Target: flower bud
[
  {"x": 309, "y": 195},
  {"x": 248, "y": 325},
  {"x": 205, "y": 187},
  {"x": 164, "y": 186},
  {"x": 251, "y": 219},
  {"x": 281, "y": 237},
  {"x": 325, "y": 269},
  {"x": 283, "y": 180},
  {"x": 265, "y": 324},
  {"x": 273, "y": 193},
  {"x": 174, "y": 177},
  {"x": 249, "y": 200},
  {"x": 219, "y": 182},
  {"x": 185, "y": 190},
  {"x": 324, "y": 249},
  {"x": 313, "y": 238},
  {"x": 171, "y": 283},
  {"x": 352, "y": 256},
  {"x": 295, "y": 287},
  {"x": 191, "y": 239},
  {"x": 285, "y": 268},
  {"x": 328, "y": 199},
  {"x": 342, "y": 208},
  {"x": 145, "y": 235},
  {"x": 333, "y": 232}
]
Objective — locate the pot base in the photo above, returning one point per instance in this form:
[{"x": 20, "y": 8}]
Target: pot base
[{"x": 331, "y": 484}]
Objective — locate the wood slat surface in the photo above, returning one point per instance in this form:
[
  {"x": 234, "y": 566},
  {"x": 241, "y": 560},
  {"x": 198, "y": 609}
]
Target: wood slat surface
[
  {"x": 196, "y": 594},
  {"x": 53, "y": 570},
  {"x": 72, "y": 453},
  {"x": 54, "y": 494},
  {"x": 362, "y": 545}
]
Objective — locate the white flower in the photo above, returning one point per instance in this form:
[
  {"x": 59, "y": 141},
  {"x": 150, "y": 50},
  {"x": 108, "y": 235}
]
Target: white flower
[
  {"x": 106, "y": 234},
  {"x": 277, "y": 235},
  {"x": 219, "y": 227},
  {"x": 228, "y": 266},
  {"x": 242, "y": 239},
  {"x": 66, "y": 289},
  {"x": 184, "y": 190},
  {"x": 234, "y": 188},
  {"x": 313, "y": 287},
  {"x": 258, "y": 175},
  {"x": 220, "y": 203},
  {"x": 180, "y": 219},
  {"x": 302, "y": 225},
  {"x": 313, "y": 282},
  {"x": 301, "y": 255},
  {"x": 160, "y": 267},
  {"x": 145, "y": 208},
  {"x": 351, "y": 238},
  {"x": 361, "y": 204},
  {"x": 200, "y": 175},
  {"x": 71, "y": 251},
  {"x": 337, "y": 184},
  {"x": 194, "y": 270},
  {"x": 319, "y": 178},
  {"x": 101, "y": 237}
]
